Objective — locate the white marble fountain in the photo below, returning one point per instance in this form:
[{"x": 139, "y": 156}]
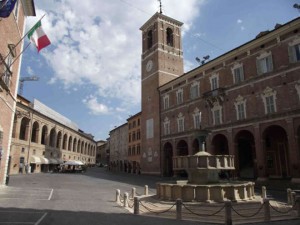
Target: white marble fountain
[{"x": 203, "y": 182}]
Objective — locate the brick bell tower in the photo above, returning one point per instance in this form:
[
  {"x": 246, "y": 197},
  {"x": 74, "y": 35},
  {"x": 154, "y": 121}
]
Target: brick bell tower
[{"x": 162, "y": 61}]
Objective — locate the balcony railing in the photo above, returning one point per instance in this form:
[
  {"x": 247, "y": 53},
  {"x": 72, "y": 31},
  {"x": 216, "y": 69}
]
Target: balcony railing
[{"x": 5, "y": 74}]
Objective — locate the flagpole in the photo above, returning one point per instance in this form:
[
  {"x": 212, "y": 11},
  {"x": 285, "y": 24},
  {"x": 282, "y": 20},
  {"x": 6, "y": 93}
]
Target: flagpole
[
  {"x": 23, "y": 38},
  {"x": 20, "y": 54}
]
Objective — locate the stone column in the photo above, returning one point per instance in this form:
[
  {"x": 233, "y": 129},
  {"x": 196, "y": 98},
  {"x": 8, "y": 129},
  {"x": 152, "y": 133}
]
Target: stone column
[
  {"x": 260, "y": 153},
  {"x": 293, "y": 152}
]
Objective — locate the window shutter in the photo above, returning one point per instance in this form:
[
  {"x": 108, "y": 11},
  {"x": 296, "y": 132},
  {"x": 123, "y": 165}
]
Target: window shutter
[
  {"x": 292, "y": 54},
  {"x": 258, "y": 67},
  {"x": 270, "y": 63},
  {"x": 242, "y": 73}
]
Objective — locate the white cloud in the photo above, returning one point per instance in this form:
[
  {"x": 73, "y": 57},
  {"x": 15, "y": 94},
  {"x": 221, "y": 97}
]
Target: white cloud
[
  {"x": 99, "y": 43},
  {"x": 94, "y": 106},
  {"x": 239, "y": 21}
]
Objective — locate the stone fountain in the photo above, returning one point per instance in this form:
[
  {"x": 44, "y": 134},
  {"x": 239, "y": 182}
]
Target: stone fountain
[{"x": 204, "y": 184}]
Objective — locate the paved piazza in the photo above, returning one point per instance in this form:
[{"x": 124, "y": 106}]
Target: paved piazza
[{"x": 77, "y": 199}]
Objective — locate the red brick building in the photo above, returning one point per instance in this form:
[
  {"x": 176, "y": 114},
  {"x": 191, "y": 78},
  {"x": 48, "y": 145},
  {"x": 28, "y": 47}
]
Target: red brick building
[
  {"x": 12, "y": 30},
  {"x": 134, "y": 143},
  {"x": 246, "y": 102}
]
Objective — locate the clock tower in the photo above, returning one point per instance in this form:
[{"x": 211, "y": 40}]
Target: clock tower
[{"x": 162, "y": 61}]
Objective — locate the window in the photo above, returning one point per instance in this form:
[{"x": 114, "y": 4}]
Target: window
[
  {"x": 197, "y": 119},
  {"x": 214, "y": 81},
  {"x": 170, "y": 37},
  {"x": 166, "y": 126},
  {"x": 195, "y": 90},
  {"x": 23, "y": 150},
  {"x": 294, "y": 51},
  {"x": 180, "y": 122},
  {"x": 264, "y": 63},
  {"x": 238, "y": 73},
  {"x": 179, "y": 96},
  {"x": 149, "y": 39},
  {"x": 33, "y": 152},
  {"x": 166, "y": 102},
  {"x": 240, "y": 107},
  {"x": 217, "y": 113},
  {"x": 269, "y": 100},
  {"x": 270, "y": 104}
]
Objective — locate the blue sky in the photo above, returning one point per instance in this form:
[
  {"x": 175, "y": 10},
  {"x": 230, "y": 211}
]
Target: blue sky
[{"x": 91, "y": 72}]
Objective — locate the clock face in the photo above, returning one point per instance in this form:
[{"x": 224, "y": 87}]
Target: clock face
[{"x": 149, "y": 66}]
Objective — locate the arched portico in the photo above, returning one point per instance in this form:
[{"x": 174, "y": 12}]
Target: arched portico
[
  {"x": 220, "y": 145},
  {"x": 167, "y": 160},
  {"x": 276, "y": 150},
  {"x": 246, "y": 166}
]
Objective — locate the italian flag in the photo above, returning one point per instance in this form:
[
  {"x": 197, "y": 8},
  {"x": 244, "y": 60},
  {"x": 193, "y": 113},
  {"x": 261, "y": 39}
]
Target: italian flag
[{"x": 37, "y": 36}]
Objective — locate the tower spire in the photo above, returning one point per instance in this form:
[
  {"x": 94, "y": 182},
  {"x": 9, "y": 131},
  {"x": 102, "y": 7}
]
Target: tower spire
[{"x": 160, "y": 6}]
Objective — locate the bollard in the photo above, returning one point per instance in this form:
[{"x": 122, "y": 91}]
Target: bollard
[
  {"x": 263, "y": 192},
  {"x": 289, "y": 196},
  {"x": 133, "y": 192},
  {"x": 297, "y": 202},
  {"x": 118, "y": 196},
  {"x": 267, "y": 214},
  {"x": 146, "y": 190},
  {"x": 293, "y": 198},
  {"x": 136, "y": 209},
  {"x": 178, "y": 209},
  {"x": 228, "y": 216},
  {"x": 125, "y": 199}
]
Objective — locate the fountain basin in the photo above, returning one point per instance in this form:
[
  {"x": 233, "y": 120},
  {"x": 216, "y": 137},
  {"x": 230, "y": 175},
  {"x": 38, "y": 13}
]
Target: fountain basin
[{"x": 218, "y": 192}]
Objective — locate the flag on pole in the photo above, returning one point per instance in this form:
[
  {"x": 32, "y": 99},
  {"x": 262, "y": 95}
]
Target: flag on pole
[
  {"x": 6, "y": 7},
  {"x": 37, "y": 36}
]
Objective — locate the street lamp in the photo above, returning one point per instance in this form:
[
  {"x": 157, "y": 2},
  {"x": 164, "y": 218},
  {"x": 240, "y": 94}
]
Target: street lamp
[{"x": 296, "y": 6}]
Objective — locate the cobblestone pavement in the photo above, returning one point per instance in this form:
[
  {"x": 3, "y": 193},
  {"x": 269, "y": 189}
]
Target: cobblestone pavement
[{"x": 80, "y": 199}]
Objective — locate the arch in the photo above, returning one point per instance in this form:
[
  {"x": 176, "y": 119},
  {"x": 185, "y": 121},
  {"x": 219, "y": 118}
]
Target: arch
[
  {"x": 170, "y": 40},
  {"x": 245, "y": 143},
  {"x": 44, "y": 135},
  {"x": 24, "y": 129},
  {"x": 58, "y": 139},
  {"x": 82, "y": 147},
  {"x": 65, "y": 141},
  {"x": 52, "y": 137},
  {"x": 78, "y": 146},
  {"x": 220, "y": 145},
  {"x": 195, "y": 146},
  {"x": 35, "y": 132},
  {"x": 168, "y": 160},
  {"x": 149, "y": 39},
  {"x": 70, "y": 143},
  {"x": 182, "y": 148},
  {"x": 74, "y": 144},
  {"x": 276, "y": 150}
]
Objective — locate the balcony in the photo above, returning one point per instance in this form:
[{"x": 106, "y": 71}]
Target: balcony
[{"x": 216, "y": 95}]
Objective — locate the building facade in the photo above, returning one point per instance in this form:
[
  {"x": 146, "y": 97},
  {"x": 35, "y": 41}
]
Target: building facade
[
  {"x": 134, "y": 143},
  {"x": 43, "y": 139},
  {"x": 118, "y": 146},
  {"x": 102, "y": 154},
  {"x": 245, "y": 103},
  {"x": 12, "y": 29},
  {"x": 162, "y": 61}
]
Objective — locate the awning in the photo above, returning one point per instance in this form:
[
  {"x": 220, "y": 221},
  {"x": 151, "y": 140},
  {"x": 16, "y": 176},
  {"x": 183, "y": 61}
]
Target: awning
[
  {"x": 44, "y": 160},
  {"x": 35, "y": 159},
  {"x": 74, "y": 163}
]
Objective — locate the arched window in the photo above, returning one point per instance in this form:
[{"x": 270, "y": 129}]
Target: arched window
[
  {"x": 24, "y": 129},
  {"x": 35, "y": 132},
  {"x": 170, "y": 37},
  {"x": 149, "y": 39},
  {"x": 44, "y": 135}
]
